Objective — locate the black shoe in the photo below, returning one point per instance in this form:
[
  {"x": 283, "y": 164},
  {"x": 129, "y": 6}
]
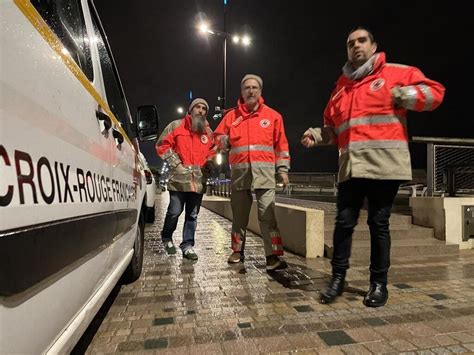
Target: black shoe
[
  {"x": 275, "y": 263},
  {"x": 334, "y": 288},
  {"x": 377, "y": 295}
]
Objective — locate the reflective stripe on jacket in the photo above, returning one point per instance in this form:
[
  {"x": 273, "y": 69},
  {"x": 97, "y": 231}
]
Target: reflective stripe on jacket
[
  {"x": 370, "y": 126},
  {"x": 257, "y": 143},
  {"x": 186, "y": 152}
]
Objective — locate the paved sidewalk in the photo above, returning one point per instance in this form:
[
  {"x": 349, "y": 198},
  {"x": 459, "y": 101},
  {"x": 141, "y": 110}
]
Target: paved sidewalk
[{"x": 210, "y": 307}]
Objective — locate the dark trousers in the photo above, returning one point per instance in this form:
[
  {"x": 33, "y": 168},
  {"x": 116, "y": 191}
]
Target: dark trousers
[
  {"x": 190, "y": 201},
  {"x": 380, "y": 195}
]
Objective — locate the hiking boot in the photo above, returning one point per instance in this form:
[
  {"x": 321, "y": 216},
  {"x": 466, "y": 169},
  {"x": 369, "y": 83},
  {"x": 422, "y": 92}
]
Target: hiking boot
[
  {"x": 275, "y": 263},
  {"x": 235, "y": 258},
  {"x": 170, "y": 248},
  {"x": 190, "y": 254}
]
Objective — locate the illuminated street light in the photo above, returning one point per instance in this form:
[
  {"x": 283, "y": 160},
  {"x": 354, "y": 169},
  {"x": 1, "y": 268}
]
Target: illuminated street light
[
  {"x": 180, "y": 110},
  {"x": 203, "y": 27},
  {"x": 219, "y": 158},
  {"x": 245, "y": 41}
]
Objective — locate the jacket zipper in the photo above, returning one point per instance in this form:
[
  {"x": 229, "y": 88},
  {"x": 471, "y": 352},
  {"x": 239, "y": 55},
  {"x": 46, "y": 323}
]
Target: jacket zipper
[{"x": 193, "y": 185}]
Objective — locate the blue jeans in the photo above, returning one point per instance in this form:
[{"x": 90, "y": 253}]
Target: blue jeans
[
  {"x": 380, "y": 196},
  {"x": 178, "y": 201}
]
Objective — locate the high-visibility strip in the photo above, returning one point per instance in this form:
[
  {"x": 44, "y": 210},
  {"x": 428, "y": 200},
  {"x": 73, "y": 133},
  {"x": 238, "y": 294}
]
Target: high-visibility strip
[
  {"x": 172, "y": 158},
  {"x": 428, "y": 96},
  {"x": 369, "y": 120},
  {"x": 410, "y": 95},
  {"x": 255, "y": 165},
  {"x": 42, "y": 27},
  {"x": 392, "y": 144},
  {"x": 248, "y": 148},
  {"x": 236, "y": 242},
  {"x": 277, "y": 245},
  {"x": 168, "y": 129},
  {"x": 283, "y": 154}
]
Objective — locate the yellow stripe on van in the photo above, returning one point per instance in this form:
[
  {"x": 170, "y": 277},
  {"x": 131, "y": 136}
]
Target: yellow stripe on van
[{"x": 37, "y": 21}]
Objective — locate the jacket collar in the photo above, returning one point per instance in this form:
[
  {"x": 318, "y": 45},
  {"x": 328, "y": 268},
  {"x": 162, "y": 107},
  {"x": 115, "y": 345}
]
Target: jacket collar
[
  {"x": 371, "y": 66},
  {"x": 243, "y": 108}
]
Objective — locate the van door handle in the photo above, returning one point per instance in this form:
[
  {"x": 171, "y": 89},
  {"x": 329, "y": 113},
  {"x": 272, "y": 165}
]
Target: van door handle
[
  {"x": 118, "y": 136},
  {"x": 105, "y": 119}
]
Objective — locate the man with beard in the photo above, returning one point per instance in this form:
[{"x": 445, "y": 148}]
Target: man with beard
[
  {"x": 254, "y": 135},
  {"x": 187, "y": 146},
  {"x": 366, "y": 118}
]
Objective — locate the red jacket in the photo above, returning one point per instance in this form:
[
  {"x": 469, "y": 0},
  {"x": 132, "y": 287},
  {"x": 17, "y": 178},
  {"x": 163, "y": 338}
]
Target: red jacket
[
  {"x": 186, "y": 152},
  {"x": 371, "y": 125},
  {"x": 258, "y": 145}
]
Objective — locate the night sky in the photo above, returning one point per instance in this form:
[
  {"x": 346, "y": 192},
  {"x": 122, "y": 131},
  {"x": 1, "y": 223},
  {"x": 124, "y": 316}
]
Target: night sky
[{"x": 298, "y": 47}]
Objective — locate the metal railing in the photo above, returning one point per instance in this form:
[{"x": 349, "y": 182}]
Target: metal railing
[
  {"x": 450, "y": 165},
  {"x": 219, "y": 187},
  {"x": 316, "y": 182},
  {"x": 324, "y": 182}
]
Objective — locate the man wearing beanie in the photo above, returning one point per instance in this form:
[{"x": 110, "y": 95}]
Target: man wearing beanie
[
  {"x": 187, "y": 146},
  {"x": 254, "y": 135}
]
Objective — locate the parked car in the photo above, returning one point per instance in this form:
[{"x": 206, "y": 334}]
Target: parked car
[
  {"x": 164, "y": 176},
  {"x": 72, "y": 194},
  {"x": 150, "y": 190}
]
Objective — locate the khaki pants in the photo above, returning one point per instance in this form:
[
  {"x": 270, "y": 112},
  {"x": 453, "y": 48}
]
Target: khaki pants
[{"x": 241, "y": 202}]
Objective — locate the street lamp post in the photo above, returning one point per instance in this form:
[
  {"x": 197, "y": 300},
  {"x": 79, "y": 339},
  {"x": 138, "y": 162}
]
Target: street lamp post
[
  {"x": 224, "y": 69},
  {"x": 224, "y": 74},
  {"x": 245, "y": 40}
]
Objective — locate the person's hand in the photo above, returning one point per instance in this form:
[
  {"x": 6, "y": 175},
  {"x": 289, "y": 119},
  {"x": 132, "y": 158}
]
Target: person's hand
[
  {"x": 224, "y": 145},
  {"x": 284, "y": 179},
  {"x": 397, "y": 96},
  {"x": 308, "y": 140}
]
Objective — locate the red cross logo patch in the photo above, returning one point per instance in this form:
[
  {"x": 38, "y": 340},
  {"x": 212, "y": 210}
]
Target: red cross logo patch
[
  {"x": 377, "y": 84},
  {"x": 265, "y": 123}
]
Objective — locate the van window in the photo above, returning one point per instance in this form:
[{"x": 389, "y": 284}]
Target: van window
[
  {"x": 66, "y": 19},
  {"x": 113, "y": 87}
]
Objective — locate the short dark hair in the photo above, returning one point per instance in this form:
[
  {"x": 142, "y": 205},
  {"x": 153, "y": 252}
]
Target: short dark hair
[{"x": 371, "y": 36}]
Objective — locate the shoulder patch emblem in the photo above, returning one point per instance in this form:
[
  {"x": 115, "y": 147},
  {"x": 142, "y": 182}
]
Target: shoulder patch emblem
[
  {"x": 377, "y": 84},
  {"x": 204, "y": 139},
  {"x": 264, "y": 123}
]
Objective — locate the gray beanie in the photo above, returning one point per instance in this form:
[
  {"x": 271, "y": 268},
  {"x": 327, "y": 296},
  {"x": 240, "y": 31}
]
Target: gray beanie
[
  {"x": 198, "y": 101},
  {"x": 254, "y": 77}
]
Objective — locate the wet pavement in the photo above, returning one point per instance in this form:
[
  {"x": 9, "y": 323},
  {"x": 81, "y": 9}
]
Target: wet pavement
[{"x": 211, "y": 307}]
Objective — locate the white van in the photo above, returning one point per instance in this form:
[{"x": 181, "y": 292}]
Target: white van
[{"x": 71, "y": 190}]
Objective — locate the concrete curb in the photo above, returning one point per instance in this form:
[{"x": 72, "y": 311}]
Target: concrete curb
[{"x": 302, "y": 229}]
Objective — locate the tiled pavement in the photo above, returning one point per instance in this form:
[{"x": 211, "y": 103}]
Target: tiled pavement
[{"x": 210, "y": 307}]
